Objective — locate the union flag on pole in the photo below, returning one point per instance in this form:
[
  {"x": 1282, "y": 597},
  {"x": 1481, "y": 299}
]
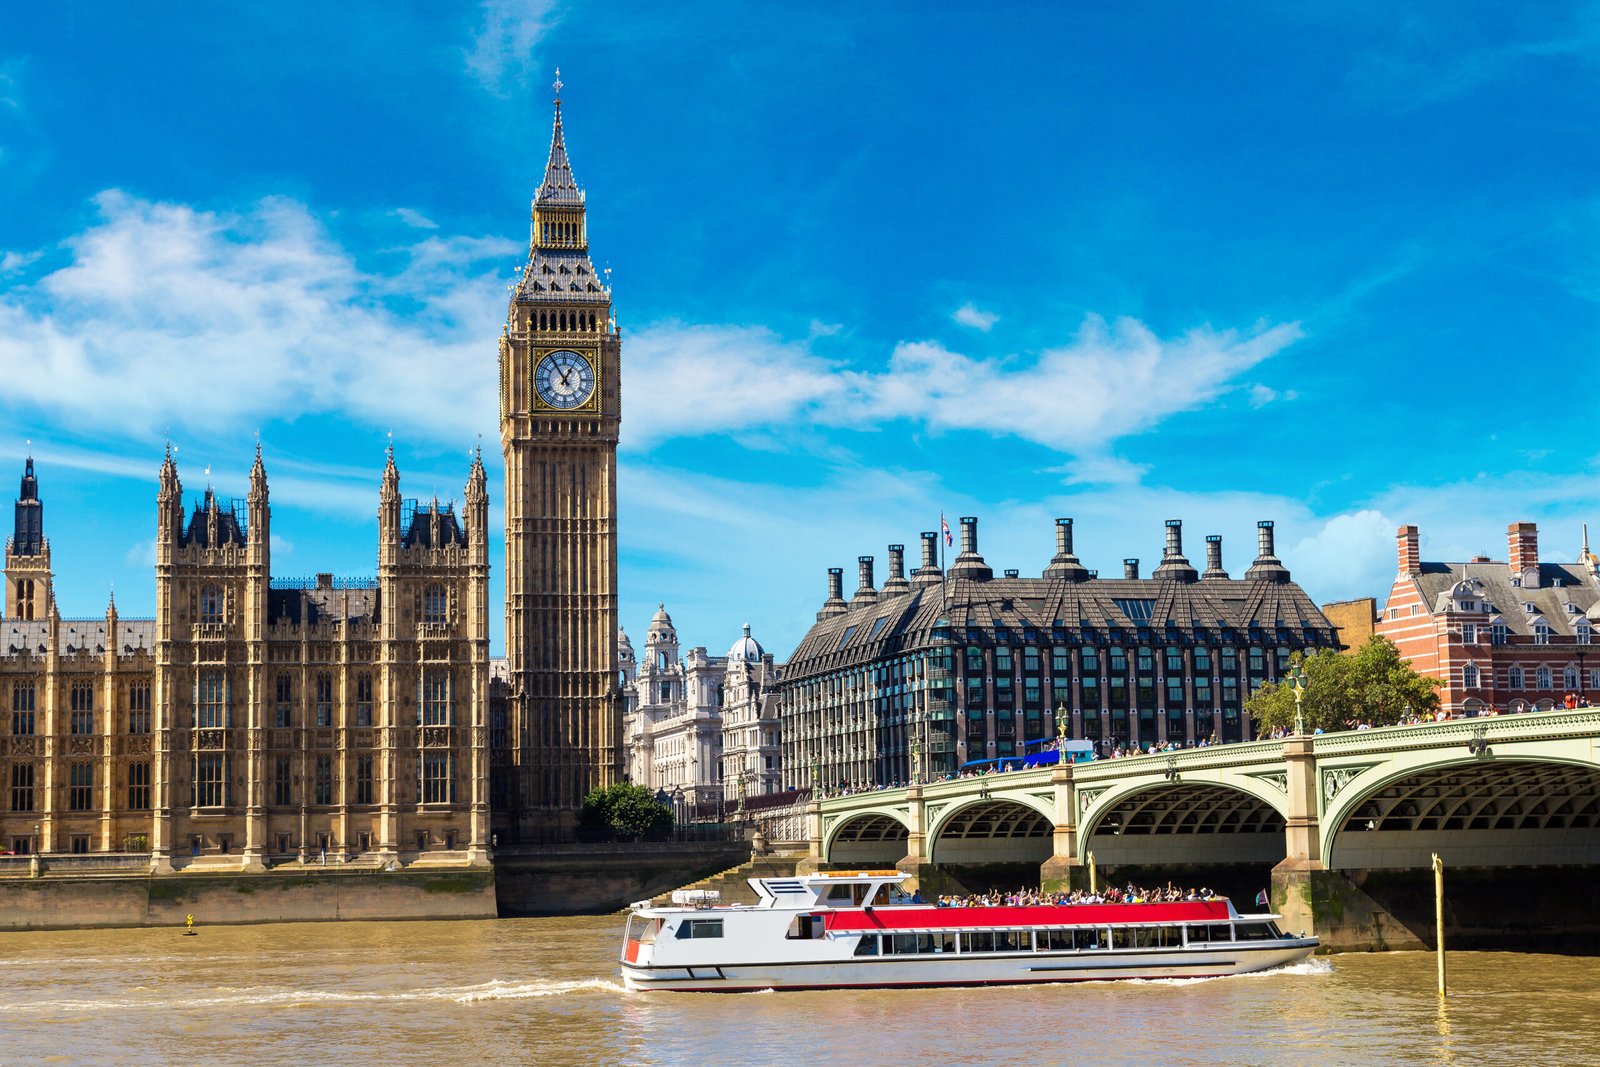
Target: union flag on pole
[{"x": 944, "y": 528}]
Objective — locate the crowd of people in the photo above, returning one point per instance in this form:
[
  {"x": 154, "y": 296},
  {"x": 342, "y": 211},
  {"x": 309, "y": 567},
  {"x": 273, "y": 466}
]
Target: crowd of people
[
  {"x": 1119, "y": 750},
  {"x": 1025, "y": 897}
]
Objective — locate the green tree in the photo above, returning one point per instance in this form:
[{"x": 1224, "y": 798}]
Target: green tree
[
  {"x": 1373, "y": 686},
  {"x": 625, "y": 812}
]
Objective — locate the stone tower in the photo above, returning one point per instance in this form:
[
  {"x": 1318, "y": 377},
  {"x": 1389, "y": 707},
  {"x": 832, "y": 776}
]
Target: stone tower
[
  {"x": 28, "y": 584},
  {"x": 559, "y": 414}
]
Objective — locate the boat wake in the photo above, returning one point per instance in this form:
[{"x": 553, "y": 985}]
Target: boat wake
[{"x": 256, "y": 996}]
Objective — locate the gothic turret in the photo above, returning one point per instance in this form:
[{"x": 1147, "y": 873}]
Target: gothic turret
[{"x": 28, "y": 581}]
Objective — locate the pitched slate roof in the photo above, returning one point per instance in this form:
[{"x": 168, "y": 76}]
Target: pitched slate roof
[{"x": 1492, "y": 582}]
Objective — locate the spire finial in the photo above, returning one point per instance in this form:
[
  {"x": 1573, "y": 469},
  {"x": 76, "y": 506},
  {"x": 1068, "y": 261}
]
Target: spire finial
[
  {"x": 557, "y": 85},
  {"x": 389, "y": 451}
]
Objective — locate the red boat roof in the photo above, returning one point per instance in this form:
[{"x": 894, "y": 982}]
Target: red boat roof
[{"x": 927, "y": 917}]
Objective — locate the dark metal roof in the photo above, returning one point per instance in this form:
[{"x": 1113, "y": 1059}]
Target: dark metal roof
[{"x": 1053, "y": 611}]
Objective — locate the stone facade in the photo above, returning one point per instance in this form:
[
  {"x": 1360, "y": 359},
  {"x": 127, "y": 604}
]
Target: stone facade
[
  {"x": 256, "y": 720},
  {"x": 912, "y": 680},
  {"x": 701, "y": 729},
  {"x": 1513, "y": 635}
]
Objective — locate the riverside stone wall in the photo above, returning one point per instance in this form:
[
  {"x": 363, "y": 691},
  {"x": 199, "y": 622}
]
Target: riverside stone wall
[{"x": 55, "y": 902}]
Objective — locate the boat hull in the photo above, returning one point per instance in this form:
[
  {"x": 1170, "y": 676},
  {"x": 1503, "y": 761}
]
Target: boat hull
[{"x": 1023, "y": 968}]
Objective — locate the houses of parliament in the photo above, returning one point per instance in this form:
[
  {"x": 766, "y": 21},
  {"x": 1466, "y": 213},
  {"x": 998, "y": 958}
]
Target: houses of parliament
[{"x": 258, "y": 721}]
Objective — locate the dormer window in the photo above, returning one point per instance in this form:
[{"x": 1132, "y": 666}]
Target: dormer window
[
  {"x": 1541, "y": 632},
  {"x": 1497, "y": 632},
  {"x": 1582, "y": 631}
]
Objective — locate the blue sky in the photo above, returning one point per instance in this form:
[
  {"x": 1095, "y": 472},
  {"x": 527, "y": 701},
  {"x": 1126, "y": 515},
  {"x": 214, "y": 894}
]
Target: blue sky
[{"x": 1330, "y": 265}]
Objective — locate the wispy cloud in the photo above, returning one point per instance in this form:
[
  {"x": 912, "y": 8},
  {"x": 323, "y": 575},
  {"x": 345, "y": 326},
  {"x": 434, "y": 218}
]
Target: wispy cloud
[
  {"x": 502, "y": 54},
  {"x": 1110, "y": 381},
  {"x": 969, "y": 315},
  {"x": 170, "y": 317},
  {"x": 1441, "y": 58}
]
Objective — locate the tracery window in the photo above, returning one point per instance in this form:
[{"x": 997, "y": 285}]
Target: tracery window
[{"x": 211, "y": 604}]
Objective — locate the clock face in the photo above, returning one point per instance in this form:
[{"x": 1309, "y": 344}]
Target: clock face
[{"x": 564, "y": 379}]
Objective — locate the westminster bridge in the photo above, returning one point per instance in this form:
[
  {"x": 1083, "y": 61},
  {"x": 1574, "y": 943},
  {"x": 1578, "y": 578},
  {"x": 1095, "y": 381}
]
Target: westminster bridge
[{"x": 1343, "y": 824}]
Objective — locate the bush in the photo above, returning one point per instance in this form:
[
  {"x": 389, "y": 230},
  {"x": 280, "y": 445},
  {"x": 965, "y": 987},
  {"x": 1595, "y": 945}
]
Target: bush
[{"x": 625, "y": 812}]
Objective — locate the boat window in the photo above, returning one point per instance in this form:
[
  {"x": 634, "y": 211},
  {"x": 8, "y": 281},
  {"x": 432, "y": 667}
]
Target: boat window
[
  {"x": 1011, "y": 941},
  {"x": 1254, "y": 932},
  {"x": 1213, "y": 932},
  {"x": 944, "y": 941},
  {"x": 1123, "y": 937},
  {"x": 868, "y": 945},
  {"x": 805, "y": 928},
  {"x": 977, "y": 941},
  {"x": 847, "y": 895},
  {"x": 1066, "y": 940},
  {"x": 696, "y": 928},
  {"x": 906, "y": 944},
  {"x": 1169, "y": 936}
]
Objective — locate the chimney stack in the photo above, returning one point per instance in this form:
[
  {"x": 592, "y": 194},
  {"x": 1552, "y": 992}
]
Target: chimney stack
[
  {"x": 835, "y": 604},
  {"x": 1013, "y": 574},
  {"x": 1130, "y": 569},
  {"x": 1410, "y": 554},
  {"x": 969, "y": 564},
  {"x": 1214, "y": 558},
  {"x": 1523, "y": 541},
  {"x": 865, "y": 592},
  {"x": 1267, "y": 567},
  {"x": 929, "y": 573},
  {"x": 1173, "y": 564},
  {"x": 1065, "y": 565},
  {"x": 896, "y": 583}
]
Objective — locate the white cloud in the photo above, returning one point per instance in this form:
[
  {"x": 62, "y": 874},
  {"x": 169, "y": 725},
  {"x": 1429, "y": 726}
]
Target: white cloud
[
  {"x": 1109, "y": 382},
  {"x": 12, "y": 262},
  {"x": 1100, "y": 469},
  {"x": 687, "y": 380},
  {"x": 1350, "y": 555},
  {"x": 969, "y": 315},
  {"x": 415, "y": 219},
  {"x": 169, "y": 317},
  {"x": 502, "y": 56}
]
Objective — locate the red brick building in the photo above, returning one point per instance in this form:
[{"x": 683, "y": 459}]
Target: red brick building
[{"x": 1515, "y": 636}]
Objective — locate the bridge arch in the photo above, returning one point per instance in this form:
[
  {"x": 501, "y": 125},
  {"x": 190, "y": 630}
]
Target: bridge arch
[
  {"x": 1190, "y": 820},
  {"x": 878, "y": 837},
  {"x": 1474, "y": 811},
  {"x": 1002, "y": 828}
]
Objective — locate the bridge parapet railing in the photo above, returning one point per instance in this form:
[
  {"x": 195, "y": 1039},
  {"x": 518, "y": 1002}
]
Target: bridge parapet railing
[{"x": 1583, "y": 722}]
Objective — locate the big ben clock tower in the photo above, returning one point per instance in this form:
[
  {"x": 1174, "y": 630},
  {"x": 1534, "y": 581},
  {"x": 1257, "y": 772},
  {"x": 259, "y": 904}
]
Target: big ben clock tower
[{"x": 560, "y": 389}]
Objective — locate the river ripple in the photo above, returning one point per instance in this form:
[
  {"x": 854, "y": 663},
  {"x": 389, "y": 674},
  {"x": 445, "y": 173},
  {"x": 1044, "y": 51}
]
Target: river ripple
[{"x": 545, "y": 991}]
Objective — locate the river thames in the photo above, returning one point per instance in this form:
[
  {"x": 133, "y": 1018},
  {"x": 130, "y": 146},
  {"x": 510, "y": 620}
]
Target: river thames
[{"x": 546, "y": 991}]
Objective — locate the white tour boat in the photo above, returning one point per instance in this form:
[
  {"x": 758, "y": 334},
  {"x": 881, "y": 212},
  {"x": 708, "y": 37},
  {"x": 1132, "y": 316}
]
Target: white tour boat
[{"x": 840, "y": 929}]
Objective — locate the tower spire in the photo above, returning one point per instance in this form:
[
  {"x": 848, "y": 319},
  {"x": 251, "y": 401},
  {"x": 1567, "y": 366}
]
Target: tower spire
[{"x": 559, "y": 186}]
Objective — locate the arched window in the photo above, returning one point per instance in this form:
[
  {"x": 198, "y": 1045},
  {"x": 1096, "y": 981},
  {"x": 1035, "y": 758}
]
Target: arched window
[
  {"x": 1469, "y": 676},
  {"x": 1569, "y": 678},
  {"x": 435, "y": 605},
  {"x": 1514, "y": 678},
  {"x": 1544, "y": 677},
  {"x": 211, "y": 604}
]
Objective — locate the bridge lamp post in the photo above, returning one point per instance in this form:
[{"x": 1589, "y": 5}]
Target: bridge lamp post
[{"x": 1297, "y": 682}]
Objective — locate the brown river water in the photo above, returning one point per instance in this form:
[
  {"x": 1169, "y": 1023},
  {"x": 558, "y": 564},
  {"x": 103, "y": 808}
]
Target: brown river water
[{"x": 546, "y": 991}]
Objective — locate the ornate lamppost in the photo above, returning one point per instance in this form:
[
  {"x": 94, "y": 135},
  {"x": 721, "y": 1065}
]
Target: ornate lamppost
[{"x": 1297, "y": 682}]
